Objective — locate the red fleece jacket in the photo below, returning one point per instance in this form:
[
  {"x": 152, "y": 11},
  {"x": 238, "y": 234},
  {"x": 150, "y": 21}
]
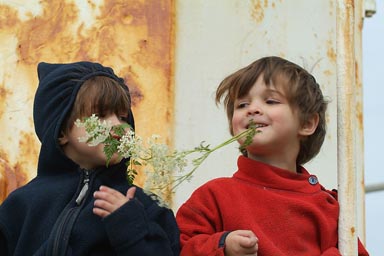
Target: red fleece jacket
[{"x": 290, "y": 213}]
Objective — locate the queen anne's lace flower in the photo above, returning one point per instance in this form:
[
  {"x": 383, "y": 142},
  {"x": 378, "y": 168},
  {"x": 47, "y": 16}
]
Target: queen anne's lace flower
[
  {"x": 130, "y": 145},
  {"x": 96, "y": 131},
  {"x": 160, "y": 163}
]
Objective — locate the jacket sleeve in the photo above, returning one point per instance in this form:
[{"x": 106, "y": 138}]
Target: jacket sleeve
[
  {"x": 135, "y": 230},
  {"x": 3, "y": 245},
  {"x": 198, "y": 229}
]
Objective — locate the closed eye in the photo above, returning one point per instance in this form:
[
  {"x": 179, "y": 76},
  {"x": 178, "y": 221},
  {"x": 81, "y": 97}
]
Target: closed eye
[
  {"x": 242, "y": 105},
  {"x": 272, "y": 101}
]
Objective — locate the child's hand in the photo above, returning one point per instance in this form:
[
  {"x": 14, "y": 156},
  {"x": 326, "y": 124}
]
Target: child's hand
[
  {"x": 108, "y": 200},
  {"x": 241, "y": 242}
]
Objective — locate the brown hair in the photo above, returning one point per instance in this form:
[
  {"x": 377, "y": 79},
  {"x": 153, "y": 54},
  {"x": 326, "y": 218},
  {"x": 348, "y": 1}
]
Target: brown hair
[
  {"x": 98, "y": 95},
  {"x": 300, "y": 87}
]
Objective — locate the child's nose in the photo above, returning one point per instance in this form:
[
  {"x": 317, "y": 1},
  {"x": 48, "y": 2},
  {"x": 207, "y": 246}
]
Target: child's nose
[{"x": 254, "y": 109}]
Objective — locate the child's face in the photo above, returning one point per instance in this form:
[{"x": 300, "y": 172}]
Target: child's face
[
  {"x": 88, "y": 157},
  {"x": 277, "y": 122}
]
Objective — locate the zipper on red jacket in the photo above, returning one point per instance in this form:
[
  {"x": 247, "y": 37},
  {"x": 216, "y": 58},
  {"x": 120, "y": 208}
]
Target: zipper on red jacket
[{"x": 64, "y": 228}]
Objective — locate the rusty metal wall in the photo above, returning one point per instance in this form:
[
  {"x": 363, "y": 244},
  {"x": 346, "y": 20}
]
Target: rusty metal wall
[{"x": 134, "y": 37}]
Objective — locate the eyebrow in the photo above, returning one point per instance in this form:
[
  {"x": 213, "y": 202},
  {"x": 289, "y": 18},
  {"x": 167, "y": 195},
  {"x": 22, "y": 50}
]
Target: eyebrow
[{"x": 274, "y": 91}]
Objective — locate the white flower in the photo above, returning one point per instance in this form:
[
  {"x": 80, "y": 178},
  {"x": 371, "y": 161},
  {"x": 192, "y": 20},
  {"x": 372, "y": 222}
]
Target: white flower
[
  {"x": 96, "y": 131},
  {"x": 158, "y": 160},
  {"x": 130, "y": 145}
]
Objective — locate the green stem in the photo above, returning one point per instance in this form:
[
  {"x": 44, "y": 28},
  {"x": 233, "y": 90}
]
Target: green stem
[{"x": 201, "y": 159}]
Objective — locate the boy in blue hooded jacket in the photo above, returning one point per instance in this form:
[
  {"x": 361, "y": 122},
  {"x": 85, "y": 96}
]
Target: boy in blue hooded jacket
[{"x": 76, "y": 205}]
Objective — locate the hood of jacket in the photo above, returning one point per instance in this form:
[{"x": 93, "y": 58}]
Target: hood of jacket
[{"x": 56, "y": 92}]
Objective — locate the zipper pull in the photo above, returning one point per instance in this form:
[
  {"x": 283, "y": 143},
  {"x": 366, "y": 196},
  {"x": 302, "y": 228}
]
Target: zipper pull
[{"x": 84, "y": 189}]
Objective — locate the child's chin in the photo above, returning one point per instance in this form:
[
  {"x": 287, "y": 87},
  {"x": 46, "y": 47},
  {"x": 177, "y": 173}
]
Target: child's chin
[{"x": 114, "y": 160}]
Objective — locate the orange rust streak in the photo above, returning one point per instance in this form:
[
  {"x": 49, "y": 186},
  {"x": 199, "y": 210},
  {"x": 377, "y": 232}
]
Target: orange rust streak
[
  {"x": 8, "y": 180},
  {"x": 3, "y": 95}
]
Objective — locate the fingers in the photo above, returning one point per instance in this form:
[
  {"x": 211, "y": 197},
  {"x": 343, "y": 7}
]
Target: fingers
[
  {"x": 108, "y": 200},
  {"x": 100, "y": 212},
  {"x": 247, "y": 239},
  {"x": 131, "y": 193},
  {"x": 249, "y": 244},
  {"x": 241, "y": 242}
]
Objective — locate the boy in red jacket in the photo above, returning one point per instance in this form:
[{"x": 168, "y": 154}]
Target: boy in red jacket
[{"x": 272, "y": 205}]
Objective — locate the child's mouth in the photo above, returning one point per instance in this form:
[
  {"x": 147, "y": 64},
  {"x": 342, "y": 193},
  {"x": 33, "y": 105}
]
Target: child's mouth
[
  {"x": 256, "y": 126},
  {"x": 260, "y": 125}
]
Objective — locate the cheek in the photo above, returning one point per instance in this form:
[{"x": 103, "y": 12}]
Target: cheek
[
  {"x": 235, "y": 124},
  {"x": 231, "y": 129}
]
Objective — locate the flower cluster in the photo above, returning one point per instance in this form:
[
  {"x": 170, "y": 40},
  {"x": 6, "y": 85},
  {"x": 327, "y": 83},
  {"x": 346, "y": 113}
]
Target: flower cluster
[
  {"x": 96, "y": 131},
  {"x": 165, "y": 169}
]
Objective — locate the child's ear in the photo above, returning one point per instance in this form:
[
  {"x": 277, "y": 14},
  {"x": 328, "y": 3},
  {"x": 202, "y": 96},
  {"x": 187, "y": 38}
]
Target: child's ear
[
  {"x": 63, "y": 139},
  {"x": 309, "y": 127}
]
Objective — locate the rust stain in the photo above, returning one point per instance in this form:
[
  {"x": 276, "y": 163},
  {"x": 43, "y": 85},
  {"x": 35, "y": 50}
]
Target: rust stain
[
  {"x": 345, "y": 19},
  {"x": 10, "y": 177},
  {"x": 5, "y": 13},
  {"x": 257, "y": 10},
  {"x": 357, "y": 76},
  {"x": 132, "y": 80},
  {"x": 8, "y": 181},
  {"x": 359, "y": 105},
  {"x": 360, "y": 116},
  {"x": 3, "y": 96},
  {"x": 353, "y": 230},
  {"x": 135, "y": 38},
  {"x": 331, "y": 53},
  {"x": 29, "y": 149},
  {"x": 21, "y": 176},
  {"x": 328, "y": 72},
  {"x": 347, "y": 33},
  {"x": 362, "y": 183},
  {"x": 360, "y": 25}
]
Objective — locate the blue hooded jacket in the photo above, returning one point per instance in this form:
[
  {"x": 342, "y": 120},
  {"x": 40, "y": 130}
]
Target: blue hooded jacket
[{"x": 48, "y": 216}]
